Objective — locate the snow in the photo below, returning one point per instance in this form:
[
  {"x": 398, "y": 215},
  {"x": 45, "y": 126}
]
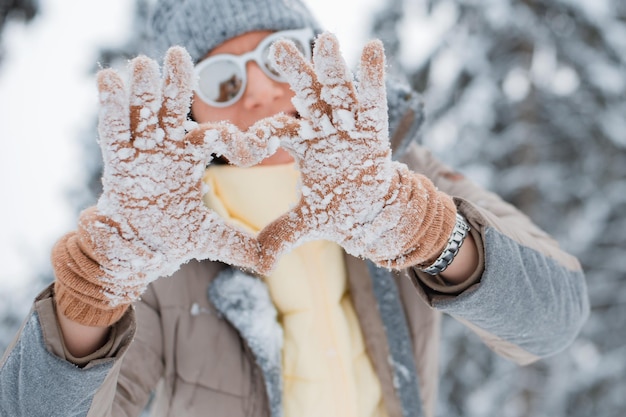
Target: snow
[
  {"x": 607, "y": 77},
  {"x": 516, "y": 84},
  {"x": 566, "y": 81}
]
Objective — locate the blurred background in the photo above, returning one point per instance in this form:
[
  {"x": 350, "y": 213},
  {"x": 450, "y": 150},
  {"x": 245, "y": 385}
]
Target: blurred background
[{"x": 526, "y": 97}]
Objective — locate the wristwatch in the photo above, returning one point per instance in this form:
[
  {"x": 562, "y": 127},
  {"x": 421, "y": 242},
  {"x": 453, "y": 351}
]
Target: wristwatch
[{"x": 452, "y": 248}]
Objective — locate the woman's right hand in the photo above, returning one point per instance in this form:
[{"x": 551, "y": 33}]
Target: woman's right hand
[{"x": 150, "y": 217}]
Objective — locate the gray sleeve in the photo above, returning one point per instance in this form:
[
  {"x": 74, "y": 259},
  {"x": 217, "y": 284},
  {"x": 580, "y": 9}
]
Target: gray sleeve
[
  {"x": 526, "y": 305},
  {"x": 527, "y": 298},
  {"x": 34, "y": 382}
]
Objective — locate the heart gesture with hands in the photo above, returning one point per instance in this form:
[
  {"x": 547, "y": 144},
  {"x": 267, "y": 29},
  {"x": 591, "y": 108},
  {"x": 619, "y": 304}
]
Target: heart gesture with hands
[
  {"x": 150, "y": 218},
  {"x": 351, "y": 190}
]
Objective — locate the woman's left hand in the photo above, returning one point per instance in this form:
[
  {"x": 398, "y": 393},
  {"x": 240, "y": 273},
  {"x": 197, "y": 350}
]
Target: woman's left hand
[{"x": 351, "y": 190}]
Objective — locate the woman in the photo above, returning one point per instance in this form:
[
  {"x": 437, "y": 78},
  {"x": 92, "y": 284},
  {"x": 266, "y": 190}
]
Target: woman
[{"x": 311, "y": 283}]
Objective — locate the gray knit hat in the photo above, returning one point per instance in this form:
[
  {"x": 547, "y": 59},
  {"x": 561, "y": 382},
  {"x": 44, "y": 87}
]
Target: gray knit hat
[{"x": 201, "y": 25}]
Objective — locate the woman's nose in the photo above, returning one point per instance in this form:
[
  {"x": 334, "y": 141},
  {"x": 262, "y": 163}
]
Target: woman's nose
[{"x": 261, "y": 90}]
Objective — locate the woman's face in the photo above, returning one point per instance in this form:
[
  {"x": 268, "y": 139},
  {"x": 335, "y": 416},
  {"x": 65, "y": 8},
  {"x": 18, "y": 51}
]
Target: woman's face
[{"x": 263, "y": 97}]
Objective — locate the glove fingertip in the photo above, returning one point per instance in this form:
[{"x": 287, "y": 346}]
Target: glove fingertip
[
  {"x": 145, "y": 77},
  {"x": 326, "y": 43},
  {"x": 177, "y": 56},
  {"x": 113, "y": 117},
  {"x": 110, "y": 85},
  {"x": 285, "y": 56},
  {"x": 179, "y": 82}
]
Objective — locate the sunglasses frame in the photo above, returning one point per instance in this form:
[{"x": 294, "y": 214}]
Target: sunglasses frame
[{"x": 304, "y": 36}]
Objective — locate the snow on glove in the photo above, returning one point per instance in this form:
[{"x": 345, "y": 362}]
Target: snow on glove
[
  {"x": 351, "y": 190},
  {"x": 150, "y": 217}
]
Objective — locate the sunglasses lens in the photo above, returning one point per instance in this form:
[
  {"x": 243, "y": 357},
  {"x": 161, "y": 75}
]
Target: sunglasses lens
[
  {"x": 265, "y": 55},
  {"x": 221, "y": 81},
  {"x": 221, "y": 78}
]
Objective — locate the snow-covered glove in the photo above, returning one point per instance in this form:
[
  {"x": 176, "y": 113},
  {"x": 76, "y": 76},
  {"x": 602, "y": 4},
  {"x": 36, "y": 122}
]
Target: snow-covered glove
[
  {"x": 351, "y": 190},
  {"x": 150, "y": 217}
]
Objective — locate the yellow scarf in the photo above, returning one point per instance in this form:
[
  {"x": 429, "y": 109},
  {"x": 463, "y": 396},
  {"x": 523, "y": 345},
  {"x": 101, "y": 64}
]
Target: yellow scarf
[{"x": 326, "y": 370}]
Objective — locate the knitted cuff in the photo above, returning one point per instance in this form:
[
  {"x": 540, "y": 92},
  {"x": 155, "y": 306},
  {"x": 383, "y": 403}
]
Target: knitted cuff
[
  {"x": 430, "y": 236},
  {"x": 78, "y": 290}
]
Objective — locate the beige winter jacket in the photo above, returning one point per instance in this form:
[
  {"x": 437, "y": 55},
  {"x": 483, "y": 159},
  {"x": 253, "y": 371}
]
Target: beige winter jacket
[{"x": 526, "y": 300}]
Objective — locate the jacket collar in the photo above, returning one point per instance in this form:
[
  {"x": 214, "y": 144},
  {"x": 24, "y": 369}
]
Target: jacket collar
[{"x": 245, "y": 302}]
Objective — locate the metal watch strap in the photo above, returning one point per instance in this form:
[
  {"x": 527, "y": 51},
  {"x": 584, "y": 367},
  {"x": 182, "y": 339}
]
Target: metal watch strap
[{"x": 452, "y": 248}]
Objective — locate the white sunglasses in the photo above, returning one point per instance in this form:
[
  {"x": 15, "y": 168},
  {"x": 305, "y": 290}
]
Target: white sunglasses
[{"x": 222, "y": 78}]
